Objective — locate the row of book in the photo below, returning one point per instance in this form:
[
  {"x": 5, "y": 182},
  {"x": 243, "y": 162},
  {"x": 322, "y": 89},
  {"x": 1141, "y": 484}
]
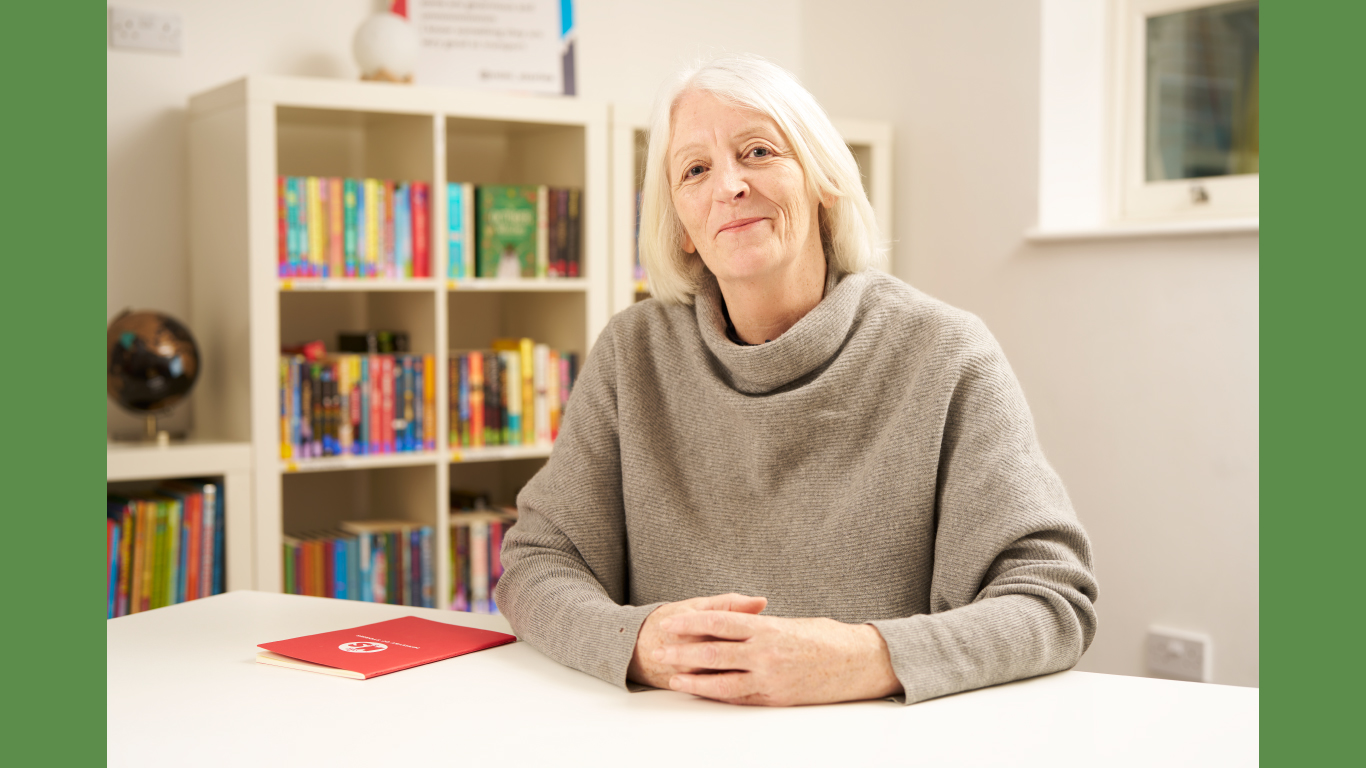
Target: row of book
[
  {"x": 339, "y": 227},
  {"x": 513, "y": 394},
  {"x": 378, "y": 561},
  {"x": 356, "y": 404},
  {"x": 163, "y": 547},
  {"x": 476, "y": 564},
  {"x": 513, "y": 231}
]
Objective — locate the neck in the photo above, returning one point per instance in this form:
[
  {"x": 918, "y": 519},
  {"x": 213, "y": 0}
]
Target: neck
[{"x": 763, "y": 310}]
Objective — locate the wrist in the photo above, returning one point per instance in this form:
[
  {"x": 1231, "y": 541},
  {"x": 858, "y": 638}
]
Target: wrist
[{"x": 879, "y": 679}]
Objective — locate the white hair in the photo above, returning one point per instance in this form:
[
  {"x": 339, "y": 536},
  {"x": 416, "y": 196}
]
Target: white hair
[{"x": 849, "y": 232}]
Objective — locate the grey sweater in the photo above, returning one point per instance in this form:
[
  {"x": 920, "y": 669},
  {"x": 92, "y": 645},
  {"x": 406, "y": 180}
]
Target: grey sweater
[{"x": 875, "y": 464}]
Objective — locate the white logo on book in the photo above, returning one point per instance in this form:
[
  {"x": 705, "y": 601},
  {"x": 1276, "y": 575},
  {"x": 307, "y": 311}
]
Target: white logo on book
[{"x": 365, "y": 647}]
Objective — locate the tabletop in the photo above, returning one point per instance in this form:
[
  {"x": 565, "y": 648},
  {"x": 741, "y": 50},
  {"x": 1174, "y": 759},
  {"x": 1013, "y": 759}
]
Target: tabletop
[{"x": 184, "y": 689}]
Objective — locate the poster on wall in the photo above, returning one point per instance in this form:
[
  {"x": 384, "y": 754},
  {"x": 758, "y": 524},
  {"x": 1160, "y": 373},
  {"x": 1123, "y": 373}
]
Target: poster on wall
[{"x": 524, "y": 46}]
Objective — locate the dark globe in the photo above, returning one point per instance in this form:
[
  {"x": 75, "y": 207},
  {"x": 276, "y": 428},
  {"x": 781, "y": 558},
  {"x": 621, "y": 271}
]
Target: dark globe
[{"x": 153, "y": 361}]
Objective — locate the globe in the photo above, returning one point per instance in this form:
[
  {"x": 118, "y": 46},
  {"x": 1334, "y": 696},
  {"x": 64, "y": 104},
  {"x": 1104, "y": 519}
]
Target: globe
[{"x": 153, "y": 361}]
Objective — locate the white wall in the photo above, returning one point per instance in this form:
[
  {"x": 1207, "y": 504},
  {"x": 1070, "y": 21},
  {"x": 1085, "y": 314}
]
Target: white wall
[
  {"x": 1139, "y": 358},
  {"x": 626, "y": 48}
]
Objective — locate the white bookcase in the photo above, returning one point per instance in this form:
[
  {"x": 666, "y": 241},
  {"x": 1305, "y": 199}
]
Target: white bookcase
[
  {"x": 870, "y": 141},
  {"x": 245, "y": 134},
  {"x": 132, "y": 464}
]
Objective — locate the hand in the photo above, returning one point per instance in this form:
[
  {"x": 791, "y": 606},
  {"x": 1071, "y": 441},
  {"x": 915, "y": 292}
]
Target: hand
[
  {"x": 745, "y": 659},
  {"x": 644, "y": 668}
]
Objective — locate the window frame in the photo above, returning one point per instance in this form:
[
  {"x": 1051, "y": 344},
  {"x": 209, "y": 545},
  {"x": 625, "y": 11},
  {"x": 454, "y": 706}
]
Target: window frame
[{"x": 1135, "y": 199}]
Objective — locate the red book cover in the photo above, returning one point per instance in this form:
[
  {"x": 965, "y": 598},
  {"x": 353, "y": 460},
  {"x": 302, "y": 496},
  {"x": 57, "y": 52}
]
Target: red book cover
[{"x": 378, "y": 649}]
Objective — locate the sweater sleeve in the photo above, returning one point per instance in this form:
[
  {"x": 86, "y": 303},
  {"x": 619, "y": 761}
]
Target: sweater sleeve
[
  {"x": 1012, "y": 592},
  {"x": 565, "y": 583}
]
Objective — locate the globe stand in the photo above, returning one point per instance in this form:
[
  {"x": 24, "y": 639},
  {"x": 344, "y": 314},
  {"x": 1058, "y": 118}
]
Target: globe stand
[{"x": 162, "y": 438}]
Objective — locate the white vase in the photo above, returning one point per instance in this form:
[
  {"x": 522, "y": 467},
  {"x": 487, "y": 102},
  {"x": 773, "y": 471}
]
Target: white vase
[{"x": 385, "y": 47}]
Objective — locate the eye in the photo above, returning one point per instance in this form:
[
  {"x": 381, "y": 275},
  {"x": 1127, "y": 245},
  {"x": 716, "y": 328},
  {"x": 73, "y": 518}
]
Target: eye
[
  {"x": 761, "y": 152},
  {"x": 695, "y": 170}
]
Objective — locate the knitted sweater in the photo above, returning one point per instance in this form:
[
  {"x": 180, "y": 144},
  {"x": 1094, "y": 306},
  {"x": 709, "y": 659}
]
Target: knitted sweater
[{"x": 874, "y": 464}]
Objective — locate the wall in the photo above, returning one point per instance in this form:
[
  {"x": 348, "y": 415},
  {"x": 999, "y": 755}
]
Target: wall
[
  {"x": 625, "y": 50},
  {"x": 1139, "y": 358}
]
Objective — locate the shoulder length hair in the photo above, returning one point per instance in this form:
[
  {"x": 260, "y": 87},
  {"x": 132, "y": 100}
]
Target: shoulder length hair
[{"x": 849, "y": 232}]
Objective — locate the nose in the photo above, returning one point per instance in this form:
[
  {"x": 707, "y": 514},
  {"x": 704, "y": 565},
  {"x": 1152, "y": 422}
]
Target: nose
[{"x": 731, "y": 182}]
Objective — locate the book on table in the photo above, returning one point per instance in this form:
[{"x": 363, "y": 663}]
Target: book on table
[{"x": 378, "y": 649}]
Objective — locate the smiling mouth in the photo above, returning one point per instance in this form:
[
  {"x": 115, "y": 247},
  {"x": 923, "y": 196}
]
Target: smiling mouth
[{"x": 739, "y": 224}]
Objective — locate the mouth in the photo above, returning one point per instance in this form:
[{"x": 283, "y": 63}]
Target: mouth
[{"x": 740, "y": 224}]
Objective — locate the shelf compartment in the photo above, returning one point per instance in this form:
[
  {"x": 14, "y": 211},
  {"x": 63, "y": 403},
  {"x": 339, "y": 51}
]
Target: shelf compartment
[
  {"x": 314, "y": 501},
  {"x": 371, "y": 461},
  {"x": 311, "y": 315},
  {"x": 476, "y": 318}
]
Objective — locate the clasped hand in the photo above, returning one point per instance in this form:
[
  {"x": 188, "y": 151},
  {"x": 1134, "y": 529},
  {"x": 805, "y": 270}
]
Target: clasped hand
[{"x": 720, "y": 648}]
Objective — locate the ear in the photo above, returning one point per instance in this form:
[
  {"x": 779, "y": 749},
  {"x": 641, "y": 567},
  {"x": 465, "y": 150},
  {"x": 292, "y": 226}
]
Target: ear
[
  {"x": 688, "y": 246},
  {"x": 828, "y": 201}
]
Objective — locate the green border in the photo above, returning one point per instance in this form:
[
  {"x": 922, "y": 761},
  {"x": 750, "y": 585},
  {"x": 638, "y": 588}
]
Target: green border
[
  {"x": 53, "y": 288},
  {"x": 1312, "y": 381}
]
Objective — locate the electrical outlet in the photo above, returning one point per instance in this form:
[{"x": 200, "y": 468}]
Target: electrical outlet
[
  {"x": 1175, "y": 654},
  {"x": 138, "y": 29}
]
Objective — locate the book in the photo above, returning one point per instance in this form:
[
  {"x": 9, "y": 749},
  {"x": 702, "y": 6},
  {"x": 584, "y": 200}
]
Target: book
[
  {"x": 460, "y": 230},
  {"x": 476, "y": 556},
  {"x": 371, "y": 650},
  {"x": 508, "y": 232}
]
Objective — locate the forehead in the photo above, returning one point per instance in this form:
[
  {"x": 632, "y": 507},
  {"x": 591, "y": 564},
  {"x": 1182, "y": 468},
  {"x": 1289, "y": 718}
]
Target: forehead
[{"x": 700, "y": 118}]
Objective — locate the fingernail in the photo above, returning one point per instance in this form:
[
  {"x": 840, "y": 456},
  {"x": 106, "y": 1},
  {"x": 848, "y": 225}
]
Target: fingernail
[
  {"x": 658, "y": 654},
  {"x": 675, "y": 683},
  {"x": 667, "y": 625}
]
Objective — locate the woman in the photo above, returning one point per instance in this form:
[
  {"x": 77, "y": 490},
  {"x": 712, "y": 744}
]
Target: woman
[{"x": 790, "y": 478}]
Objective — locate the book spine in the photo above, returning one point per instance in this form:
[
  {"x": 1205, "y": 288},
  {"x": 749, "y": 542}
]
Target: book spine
[
  {"x": 349, "y": 227},
  {"x": 219, "y": 542},
  {"x": 479, "y": 566},
  {"x": 542, "y": 231},
  {"x": 460, "y": 567},
  {"x": 456, "y": 240},
  {"x": 373, "y": 221},
  {"x": 552, "y": 396},
  {"x": 403, "y": 221},
  {"x": 387, "y": 403},
  {"x": 540, "y": 390},
  {"x": 111, "y": 548},
  {"x": 562, "y": 233},
  {"x": 282, "y": 226},
  {"x": 393, "y": 582},
  {"x": 528, "y": 383},
  {"x": 336, "y": 251},
  {"x": 552, "y": 210},
  {"x": 411, "y": 375},
  {"x": 460, "y": 412},
  {"x": 475, "y": 386},
  {"x": 575, "y": 220},
  {"x": 421, "y": 229},
  {"x": 313, "y": 226},
  {"x": 387, "y": 239},
  {"x": 128, "y": 520},
  {"x": 512, "y": 395},
  {"x": 429, "y": 402},
  {"x": 338, "y": 545}
]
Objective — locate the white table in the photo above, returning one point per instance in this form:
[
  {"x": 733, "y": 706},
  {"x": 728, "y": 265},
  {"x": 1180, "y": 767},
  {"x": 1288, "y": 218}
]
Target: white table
[{"x": 184, "y": 689}]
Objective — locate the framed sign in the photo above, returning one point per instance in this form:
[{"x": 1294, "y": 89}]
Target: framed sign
[{"x": 524, "y": 46}]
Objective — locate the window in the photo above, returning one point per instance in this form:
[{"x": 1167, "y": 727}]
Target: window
[{"x": 1187, "y": 139}]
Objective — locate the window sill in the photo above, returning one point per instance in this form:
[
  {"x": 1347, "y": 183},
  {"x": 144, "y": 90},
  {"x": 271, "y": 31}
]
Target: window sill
[{"x": 1245, "y": 226}]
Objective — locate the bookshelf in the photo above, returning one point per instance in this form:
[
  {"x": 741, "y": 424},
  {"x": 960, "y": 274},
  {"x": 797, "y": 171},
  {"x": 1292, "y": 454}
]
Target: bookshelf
[
  {"x": 136, "y": 466},
  {"x": 869, "y": 140},
  {"x": 245, "y": 134}
]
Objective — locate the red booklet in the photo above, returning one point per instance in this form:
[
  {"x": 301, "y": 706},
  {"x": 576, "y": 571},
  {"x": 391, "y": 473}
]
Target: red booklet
[{"x": 378, "y": 649}]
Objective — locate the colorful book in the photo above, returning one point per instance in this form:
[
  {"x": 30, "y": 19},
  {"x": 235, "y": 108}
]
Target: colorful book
[{"x": 508, "y": 233}]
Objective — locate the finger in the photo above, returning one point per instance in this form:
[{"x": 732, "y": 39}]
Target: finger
[
  {"x": 726, "y": 625},
  {"x": 722, "y": 686},
  {"x": 731, "y": 602},
  {"x": 725, "y": 655}
]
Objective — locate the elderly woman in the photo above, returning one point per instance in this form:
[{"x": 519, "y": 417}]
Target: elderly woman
[{"x": 789, "y": 478}]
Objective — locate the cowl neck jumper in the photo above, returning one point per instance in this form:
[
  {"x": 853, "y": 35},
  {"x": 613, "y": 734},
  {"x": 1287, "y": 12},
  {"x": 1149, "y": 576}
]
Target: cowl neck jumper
[{"x": 876, "y": 463}]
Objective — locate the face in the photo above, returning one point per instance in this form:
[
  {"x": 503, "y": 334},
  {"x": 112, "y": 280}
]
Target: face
[{"x": 739, "y": 191}]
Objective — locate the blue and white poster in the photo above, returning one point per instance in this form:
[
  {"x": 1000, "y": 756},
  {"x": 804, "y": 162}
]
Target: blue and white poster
[{"x": 523, "y": 46}]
